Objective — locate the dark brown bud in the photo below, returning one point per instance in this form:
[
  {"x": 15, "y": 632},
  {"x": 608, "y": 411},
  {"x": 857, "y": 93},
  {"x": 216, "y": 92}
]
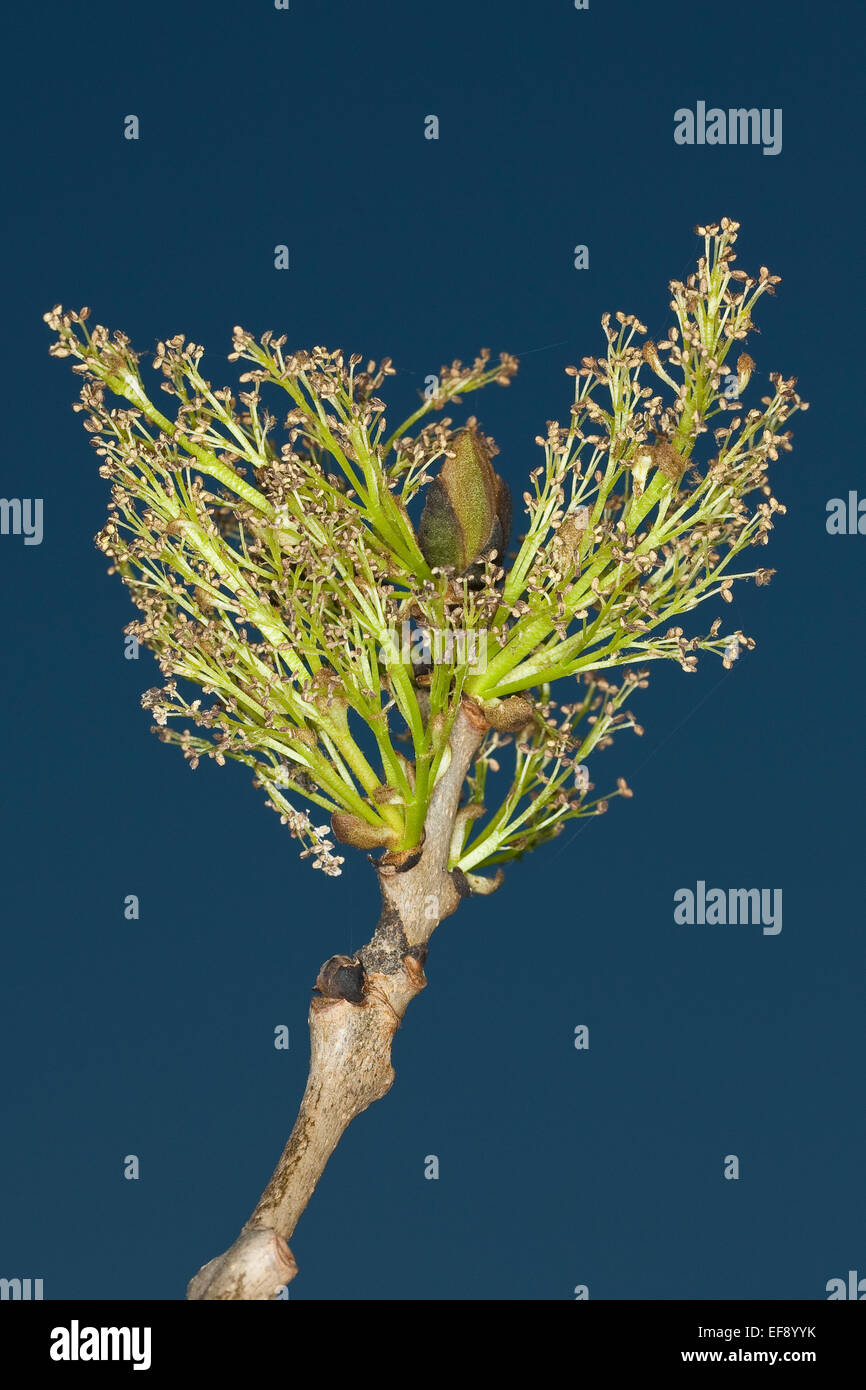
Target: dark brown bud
[
  {"x": 342, "y": 977},
  {"x": 461, "y": 883}
]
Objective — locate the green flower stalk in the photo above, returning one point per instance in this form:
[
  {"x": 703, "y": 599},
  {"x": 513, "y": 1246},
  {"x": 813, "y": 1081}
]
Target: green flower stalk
[{"x": 267, "y": 540}]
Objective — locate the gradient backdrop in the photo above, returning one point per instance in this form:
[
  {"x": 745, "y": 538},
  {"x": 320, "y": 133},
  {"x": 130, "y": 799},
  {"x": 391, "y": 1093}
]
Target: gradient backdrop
[{"x": 154, "y": 1037}]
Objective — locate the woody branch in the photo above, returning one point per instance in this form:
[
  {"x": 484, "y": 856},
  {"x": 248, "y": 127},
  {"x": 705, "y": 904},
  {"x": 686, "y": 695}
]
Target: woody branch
[{"x": 360, "y": 1005}]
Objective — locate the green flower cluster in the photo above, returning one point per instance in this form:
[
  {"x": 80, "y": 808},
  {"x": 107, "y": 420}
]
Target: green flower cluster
[{"x": 272, "y": 563}]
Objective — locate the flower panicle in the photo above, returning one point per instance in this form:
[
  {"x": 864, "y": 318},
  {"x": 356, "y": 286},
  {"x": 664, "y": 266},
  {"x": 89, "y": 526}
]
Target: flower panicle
[{"x": 265, "y": 536}]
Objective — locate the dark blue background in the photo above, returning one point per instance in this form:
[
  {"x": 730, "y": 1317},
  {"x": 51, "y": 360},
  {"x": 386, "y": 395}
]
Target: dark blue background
[{"x": 154, "y": 1037}]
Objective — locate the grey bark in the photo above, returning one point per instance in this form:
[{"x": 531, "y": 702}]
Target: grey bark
[{"x": 353, "y": 1020}]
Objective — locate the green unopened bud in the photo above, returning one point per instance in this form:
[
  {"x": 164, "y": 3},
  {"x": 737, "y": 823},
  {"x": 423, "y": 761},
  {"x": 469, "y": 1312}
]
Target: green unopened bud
[{"x": 468, "y": 509}]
